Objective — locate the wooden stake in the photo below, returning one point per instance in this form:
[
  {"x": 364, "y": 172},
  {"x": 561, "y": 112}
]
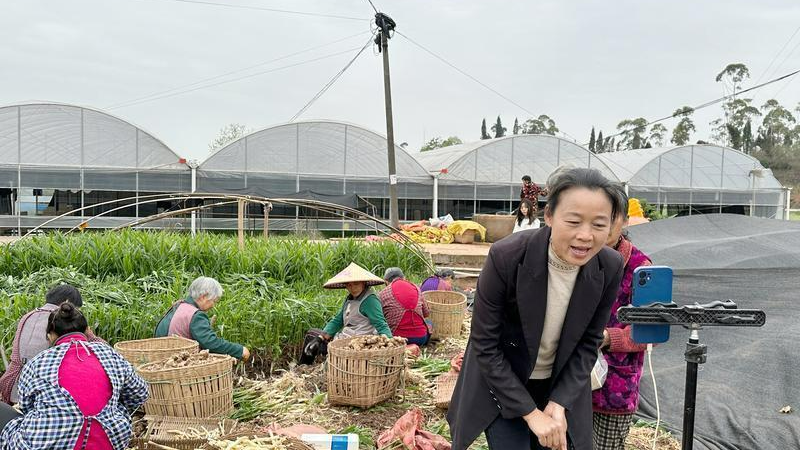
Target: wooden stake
[
  {"x": 266, "y": 219},
  {"x": 240, "y": 224}
]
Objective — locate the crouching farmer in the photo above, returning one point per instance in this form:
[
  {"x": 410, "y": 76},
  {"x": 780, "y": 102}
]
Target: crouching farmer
[
  {"x": 187, "y": 318},
  {"x": 361, "y": 313}
]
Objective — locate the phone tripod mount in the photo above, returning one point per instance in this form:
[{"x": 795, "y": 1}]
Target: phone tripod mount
[{"x": 694, "y": 317}]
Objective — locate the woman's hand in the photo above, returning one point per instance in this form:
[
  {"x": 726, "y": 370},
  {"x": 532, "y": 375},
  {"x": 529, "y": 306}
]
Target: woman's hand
[
  {"x": 606, "y": 339},
  {"x": 547, "y": 430},
  {"x": 558, "y": 414}
]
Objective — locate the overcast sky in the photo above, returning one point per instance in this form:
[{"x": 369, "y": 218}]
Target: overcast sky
[{"x": 584, "y": 63}]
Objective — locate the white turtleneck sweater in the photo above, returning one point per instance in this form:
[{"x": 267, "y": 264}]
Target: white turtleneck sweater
[{"x": 561, "y": 278}]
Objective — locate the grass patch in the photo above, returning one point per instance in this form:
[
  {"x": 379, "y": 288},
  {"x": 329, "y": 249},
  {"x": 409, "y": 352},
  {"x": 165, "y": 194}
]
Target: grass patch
[{"x": 273, "y": 289}]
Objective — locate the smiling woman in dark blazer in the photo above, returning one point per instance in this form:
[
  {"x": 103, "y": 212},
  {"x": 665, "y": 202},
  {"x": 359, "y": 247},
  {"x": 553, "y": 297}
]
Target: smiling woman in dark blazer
[{"x": 542, "y": 303}]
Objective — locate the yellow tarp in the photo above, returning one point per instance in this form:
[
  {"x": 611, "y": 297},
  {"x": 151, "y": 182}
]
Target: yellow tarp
[
  {"x": 460, "y": 226},
  {"x": 431, "y": 235}
]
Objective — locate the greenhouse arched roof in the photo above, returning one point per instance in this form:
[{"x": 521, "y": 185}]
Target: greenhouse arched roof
[
  {"x": 315, "y": 148},
  {"x": 62, "y": 136},
  {"x": 505, "y": 160},
  {"x": 690, "y": 166}
]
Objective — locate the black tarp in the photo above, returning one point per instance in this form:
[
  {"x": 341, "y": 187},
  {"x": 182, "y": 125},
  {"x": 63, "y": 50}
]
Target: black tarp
[{"x": 751, "y": 373}]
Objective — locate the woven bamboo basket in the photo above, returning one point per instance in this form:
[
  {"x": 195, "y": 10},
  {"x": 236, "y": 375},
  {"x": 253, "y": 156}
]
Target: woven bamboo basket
[
  {"x": 447, "y": 312},
  {"x": 445, "y": 385},
  {"x": 363, "y": 377},
  {"x": 291, "y": 443},
  {"x": 161, "y": 432},
  {"x": 146, "y": 351},
  {"x": 201, "y": 391}
]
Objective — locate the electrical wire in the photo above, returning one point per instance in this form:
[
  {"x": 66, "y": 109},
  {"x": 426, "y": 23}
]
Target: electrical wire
[
  {"x": 233, "y": 72},
  {"x": 782, "y": 88},
  {"x": 462, "y": 72},
  {"x": 706, "y": 104},
  {"x": 236, "y": 79},
  {"x": 331, "y": 82},
  {"x": 655, "y": 390},
  {"x": 373, "y": 6},
  {"x": 775, "y": 58},
  {"x": 274, "y": 10},
  {"x": 785, "y": 58}
]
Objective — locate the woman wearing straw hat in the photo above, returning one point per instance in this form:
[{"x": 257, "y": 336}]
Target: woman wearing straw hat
[{"x": 361, "y": 313}]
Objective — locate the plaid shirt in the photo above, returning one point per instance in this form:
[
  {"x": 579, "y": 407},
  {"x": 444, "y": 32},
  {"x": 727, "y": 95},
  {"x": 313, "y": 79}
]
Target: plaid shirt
[
  {"x": 394, "y": 312},
  {"x": 532, "y": 192},
  {"x": 51, "y": 418},
  {"x": 8, "y": 382}
]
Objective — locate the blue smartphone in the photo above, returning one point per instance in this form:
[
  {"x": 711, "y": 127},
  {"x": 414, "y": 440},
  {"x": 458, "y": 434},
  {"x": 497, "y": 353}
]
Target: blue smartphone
[{"x": 651, "y": 284}]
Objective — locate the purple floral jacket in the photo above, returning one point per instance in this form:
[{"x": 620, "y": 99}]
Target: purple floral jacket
[{"x": 620, "y": 393}]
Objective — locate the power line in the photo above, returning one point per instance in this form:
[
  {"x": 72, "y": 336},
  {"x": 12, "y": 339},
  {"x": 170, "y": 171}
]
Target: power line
[
  {"x": 784, "y": 60},
  {"x": 233, "y": 72},
  {"x": 331, "y": 82},
  {"x": 430, "y": 52},
  {"x": 373, "y": 6},
  {"x": 275, "y": 10},
  {"x": 706, "y": 104},
  {"x": 775, "y": 58},
  {"x": 775, "y": 95},
  {"x": 237, "y": 79},
  {"x": 462, "y": 72},
  {"x": 788, "y": 55}
]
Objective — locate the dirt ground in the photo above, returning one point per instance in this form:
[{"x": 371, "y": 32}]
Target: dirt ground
[{"x": 297, "y": 395}]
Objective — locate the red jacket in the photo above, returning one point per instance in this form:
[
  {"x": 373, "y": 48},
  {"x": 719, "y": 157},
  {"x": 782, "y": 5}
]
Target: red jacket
[{"x": 404, "y": 309}]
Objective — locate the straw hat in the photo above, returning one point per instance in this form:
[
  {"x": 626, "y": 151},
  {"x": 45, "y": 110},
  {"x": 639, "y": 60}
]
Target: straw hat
[{"x": 352, "y": 273}]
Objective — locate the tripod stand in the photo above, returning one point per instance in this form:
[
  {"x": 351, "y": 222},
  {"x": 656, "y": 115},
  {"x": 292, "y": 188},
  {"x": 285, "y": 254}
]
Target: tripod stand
[{"x": 692, "y": 317}]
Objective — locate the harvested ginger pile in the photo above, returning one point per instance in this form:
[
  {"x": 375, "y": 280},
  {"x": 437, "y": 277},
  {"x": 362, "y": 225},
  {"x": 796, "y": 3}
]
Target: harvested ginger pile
[
  {"x": 183, "y": 359},
  {"x": 375, "y": 342}
]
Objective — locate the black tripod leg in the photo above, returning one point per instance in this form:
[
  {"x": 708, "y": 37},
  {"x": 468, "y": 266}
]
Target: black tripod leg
[
  {"x": 695, "y": 355},
  {"x": 690, "y": 396}
]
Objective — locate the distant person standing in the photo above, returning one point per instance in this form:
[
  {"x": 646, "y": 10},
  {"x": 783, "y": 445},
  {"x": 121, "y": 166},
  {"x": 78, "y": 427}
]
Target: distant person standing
[
  {"x": 531, "y": 191},
  {"x": 526, "y": 218}
]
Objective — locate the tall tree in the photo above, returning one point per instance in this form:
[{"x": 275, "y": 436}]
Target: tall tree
[
  {"x": 439, "y": 142},
  {"x": 227, "y": 134},
  {"x": 747, "y": 137},
  {"x": 516, "y": 126},
  {"x": 734, "y": 136},
  {"x": 633, "y": 131},
  {"x": 592, "y": 142},
  {"x": 540, "y": 125},
  {"x": 778, "y": 120},
  {"x": 732, "y": 75},
  {"x": 498, "y": 128},
  {"x": 600, "y": 145},
  {"x": 682, "y": 133},
  {"x": 657, "y": 134},
  {"x": 484, "y": 134},
  {"x": 737, "y": 112}
]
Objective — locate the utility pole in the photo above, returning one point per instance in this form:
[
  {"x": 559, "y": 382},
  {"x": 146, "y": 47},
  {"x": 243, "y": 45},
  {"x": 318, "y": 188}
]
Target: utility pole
[{"x": 385, "y": 26}]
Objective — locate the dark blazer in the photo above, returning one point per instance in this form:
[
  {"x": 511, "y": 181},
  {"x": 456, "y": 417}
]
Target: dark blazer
[{"x": 507, "y": 324}]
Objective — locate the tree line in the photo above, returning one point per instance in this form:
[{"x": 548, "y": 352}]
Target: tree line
[{"x": 770, "y": 132}]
